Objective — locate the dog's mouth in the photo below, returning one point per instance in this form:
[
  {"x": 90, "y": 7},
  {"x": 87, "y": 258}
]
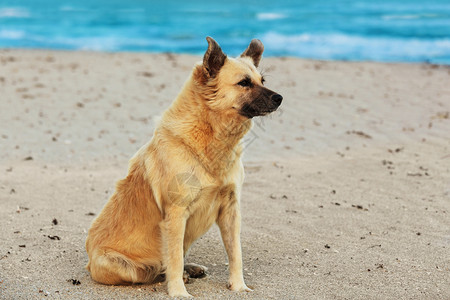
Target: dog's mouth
[{"x": 266, "y": 112}]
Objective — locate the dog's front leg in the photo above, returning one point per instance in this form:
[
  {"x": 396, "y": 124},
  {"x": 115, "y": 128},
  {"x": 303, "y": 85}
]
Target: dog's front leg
[
  {"x": 229, "y": 222},
  {"x": 173, "y": 228}
]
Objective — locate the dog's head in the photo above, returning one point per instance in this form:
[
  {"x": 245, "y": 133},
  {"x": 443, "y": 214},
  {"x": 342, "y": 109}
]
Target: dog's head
[{"x": 234, "y": 85}]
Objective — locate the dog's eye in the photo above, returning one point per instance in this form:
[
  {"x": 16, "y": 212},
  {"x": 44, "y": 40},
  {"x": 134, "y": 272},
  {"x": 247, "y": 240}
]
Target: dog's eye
[
  {"x": 245, "y": 82},
  {"x": 263, "y": 80}
]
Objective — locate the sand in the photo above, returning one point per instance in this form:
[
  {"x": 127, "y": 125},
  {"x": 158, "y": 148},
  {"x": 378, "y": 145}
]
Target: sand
[{"x": 347, "y": 191}]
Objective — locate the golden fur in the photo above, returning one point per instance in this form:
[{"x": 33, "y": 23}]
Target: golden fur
[{"x": 188, "y": 177}]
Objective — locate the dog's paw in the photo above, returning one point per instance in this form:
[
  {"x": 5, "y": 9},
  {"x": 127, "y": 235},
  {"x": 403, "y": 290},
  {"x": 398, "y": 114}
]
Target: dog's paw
[
  {"x": 239, "y": 287},
  {"x": 178, "y": 291},
  {"x": 195, "y": 271},
  {"x": 186, "y": 277},
  {"x": 180, "y": 294}
]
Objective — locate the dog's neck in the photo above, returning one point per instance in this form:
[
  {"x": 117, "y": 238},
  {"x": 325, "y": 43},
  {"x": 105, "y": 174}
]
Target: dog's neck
[{"x": 214, "y": 137}]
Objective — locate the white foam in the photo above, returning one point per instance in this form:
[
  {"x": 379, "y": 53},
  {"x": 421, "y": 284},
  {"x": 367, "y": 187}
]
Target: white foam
[
  {"x": 270, "y": 16},
  {"x": 100, "y": 43},
  {"x": 68, "y": 8},
  {"x": 14, "y": 12},
  {"x": 339, "y": 46},
  {"x": 11, "y": 34},
  {"x": 409, "y": 17}
]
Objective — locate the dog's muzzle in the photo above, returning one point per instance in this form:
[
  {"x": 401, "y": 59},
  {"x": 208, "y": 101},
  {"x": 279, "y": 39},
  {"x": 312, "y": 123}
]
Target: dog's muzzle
[{"x": 262, "y": 106}]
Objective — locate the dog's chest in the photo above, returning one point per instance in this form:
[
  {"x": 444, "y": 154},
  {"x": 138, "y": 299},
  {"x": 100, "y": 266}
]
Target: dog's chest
[
  {"x": 215, "y": 193},
  {"x": 210, "y": 200},
  {"x": 206, "y": 209}
]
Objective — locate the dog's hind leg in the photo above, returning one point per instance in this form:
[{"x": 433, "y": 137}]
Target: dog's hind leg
[{"x": 110, "y": 267}]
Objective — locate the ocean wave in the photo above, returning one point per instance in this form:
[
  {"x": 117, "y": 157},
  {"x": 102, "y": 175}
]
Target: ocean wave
[
  {"x": 410, "y": 17},
  {"x": 14, "y": 12},
  {"x": 416, "y": 31},
  {"x": 349, "y": 47},
  {"x": 270, "y": 16},
  {"x": 101, "y": 43},
  {"x": 70, "y": 8},
  {"x": 12, "y": 34}
]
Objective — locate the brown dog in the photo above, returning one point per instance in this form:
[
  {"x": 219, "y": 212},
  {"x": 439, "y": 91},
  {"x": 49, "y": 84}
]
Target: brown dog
[{"x": 186, "y": 178}]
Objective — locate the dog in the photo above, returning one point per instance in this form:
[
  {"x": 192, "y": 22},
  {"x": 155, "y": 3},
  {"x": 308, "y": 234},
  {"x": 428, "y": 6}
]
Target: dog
[{"x": 188, "y": 177}]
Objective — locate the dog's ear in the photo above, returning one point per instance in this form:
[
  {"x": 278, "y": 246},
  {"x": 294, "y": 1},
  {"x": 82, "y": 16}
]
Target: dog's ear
[
  {"x": 214, "y": 58},
  {"x": 254, "y": 51}
]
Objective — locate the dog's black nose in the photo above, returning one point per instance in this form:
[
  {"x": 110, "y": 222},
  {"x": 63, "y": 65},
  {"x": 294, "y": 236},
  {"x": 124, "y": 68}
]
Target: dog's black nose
[{"x": 276, "y": 98}]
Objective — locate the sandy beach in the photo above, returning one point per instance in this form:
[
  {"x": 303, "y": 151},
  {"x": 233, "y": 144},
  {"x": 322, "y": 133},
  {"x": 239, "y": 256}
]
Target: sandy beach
[{"x": 347, "y": 191}]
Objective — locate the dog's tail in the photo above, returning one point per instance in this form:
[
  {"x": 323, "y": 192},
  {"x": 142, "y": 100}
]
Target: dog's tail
[{"x": 111, "y": 267}]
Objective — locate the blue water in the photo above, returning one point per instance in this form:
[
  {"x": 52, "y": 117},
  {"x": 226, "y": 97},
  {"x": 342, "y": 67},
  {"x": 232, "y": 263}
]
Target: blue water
[{"x": 391, "y": 30}]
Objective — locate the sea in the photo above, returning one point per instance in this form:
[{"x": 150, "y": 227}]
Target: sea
[{"x": 360, "y": 30}]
